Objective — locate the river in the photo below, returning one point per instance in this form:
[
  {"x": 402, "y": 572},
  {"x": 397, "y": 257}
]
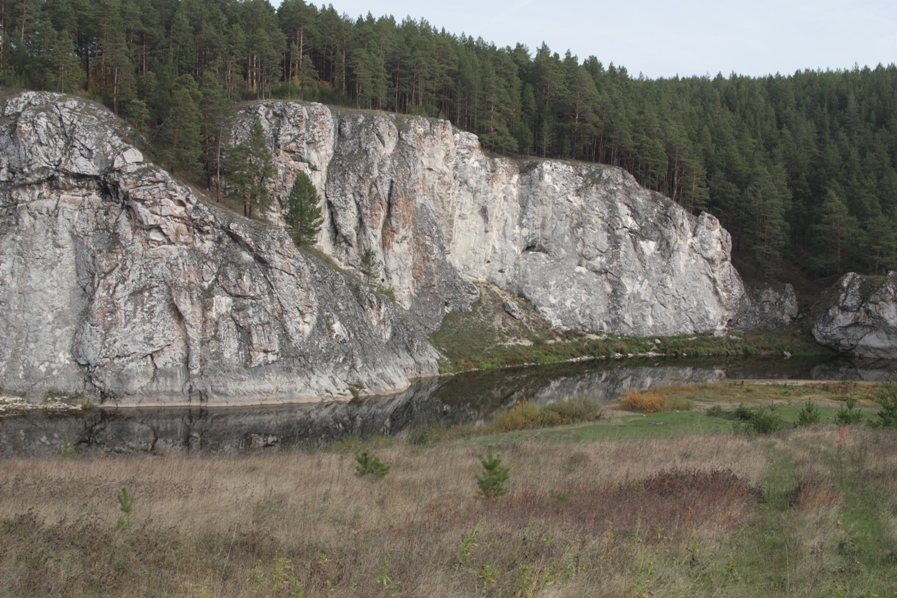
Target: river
[{"x": 465, "y": 398}]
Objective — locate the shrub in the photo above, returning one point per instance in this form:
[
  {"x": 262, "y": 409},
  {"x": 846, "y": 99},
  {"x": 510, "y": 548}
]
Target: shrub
[
  {"x": 575, "y": 410},
  {"x": 369, "y": 463},
  {"x": 766, "y": 421},
  {"x": 847, "y": 416},
  {"x": 809, "y": 414},
  {"x": 526, "y": 414},
  {"x": 494, "y": 480},
  {"x": 646, "y": 402}
]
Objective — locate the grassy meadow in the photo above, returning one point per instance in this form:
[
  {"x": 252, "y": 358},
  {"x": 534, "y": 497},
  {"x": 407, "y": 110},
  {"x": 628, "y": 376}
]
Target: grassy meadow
[{"x": 674, "y": 502}]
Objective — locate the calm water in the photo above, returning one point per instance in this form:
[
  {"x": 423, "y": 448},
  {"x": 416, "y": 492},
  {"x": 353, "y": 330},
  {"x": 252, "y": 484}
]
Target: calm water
[{"x": 465, "y": 398}]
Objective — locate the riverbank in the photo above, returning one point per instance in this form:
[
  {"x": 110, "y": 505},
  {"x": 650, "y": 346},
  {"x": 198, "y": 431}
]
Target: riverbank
[
  {"x": 503, "y": 330},
  {"x": 628, "y": 505}
]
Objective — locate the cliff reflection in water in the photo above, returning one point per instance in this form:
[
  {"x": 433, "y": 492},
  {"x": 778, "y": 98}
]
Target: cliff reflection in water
[{"x": 466, "y": 398}]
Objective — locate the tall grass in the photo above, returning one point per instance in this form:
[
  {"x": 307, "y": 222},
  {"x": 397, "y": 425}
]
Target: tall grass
[{"x": 807, "y": 512}]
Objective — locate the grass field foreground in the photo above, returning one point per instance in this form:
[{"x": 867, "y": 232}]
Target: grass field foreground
[{"x": 805, "y": 512}]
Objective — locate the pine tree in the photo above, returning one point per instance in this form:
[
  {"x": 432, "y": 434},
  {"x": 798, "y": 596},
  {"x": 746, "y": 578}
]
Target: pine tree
[
  {"x": 303, "y": 215},
  {"x": 181, "y": 148},
  {"x": 370, "y": 268},
  {"x": 835, "y": 233},
  {"x": 249, "y": 167}
]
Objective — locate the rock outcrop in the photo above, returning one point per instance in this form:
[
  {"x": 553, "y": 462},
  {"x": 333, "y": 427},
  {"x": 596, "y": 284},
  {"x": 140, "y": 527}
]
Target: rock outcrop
[
  {"x": 861, "y": 317},
  {"x": 584, "y": 243},
  {"x": 768, "y": 305},
  {"x": 118, "y": 283}
]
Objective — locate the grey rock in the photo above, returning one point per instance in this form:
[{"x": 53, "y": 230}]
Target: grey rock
[
  {"x": 513, "y": 310},
  {"x": 584, "y": 243},
  {"x": 861, "y": 317},
  {"x": 767, "y": 305},
  {"x": 119, "y": 284}
]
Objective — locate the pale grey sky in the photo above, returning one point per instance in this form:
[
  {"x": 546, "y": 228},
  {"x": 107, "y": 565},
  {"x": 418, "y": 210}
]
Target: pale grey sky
[{"x": 665, "y": 38}]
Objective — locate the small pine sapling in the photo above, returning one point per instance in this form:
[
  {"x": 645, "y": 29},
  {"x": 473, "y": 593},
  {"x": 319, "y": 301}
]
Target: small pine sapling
[
  {"x": 494, "y": 480},
  {"x": 809, "y": 414},
  {"x": 848, "y": 416},
  {"x": 887, "y": 398},
  {"x": 370, "y": 269},
  {"x": 369, "y": 463}
]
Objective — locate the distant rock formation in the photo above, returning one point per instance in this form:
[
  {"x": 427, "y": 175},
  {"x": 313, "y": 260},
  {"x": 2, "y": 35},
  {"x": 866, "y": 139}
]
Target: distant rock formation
[{"x": 861, "y": 316}]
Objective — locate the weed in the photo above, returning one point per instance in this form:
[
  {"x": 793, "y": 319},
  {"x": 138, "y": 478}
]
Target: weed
[
  {"x": 468, "y": 543},
  {"x": 559, "y": 495},
  {"x": 489, "y": 574},
  {"x": 369, "y": 463},
  {"x": 494, "y": 480},
  {"x": 66, "y": 449}
]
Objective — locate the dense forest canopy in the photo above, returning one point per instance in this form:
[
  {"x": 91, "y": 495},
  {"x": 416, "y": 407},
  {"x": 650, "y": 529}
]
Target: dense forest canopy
[{"x": 801, "y": 169}]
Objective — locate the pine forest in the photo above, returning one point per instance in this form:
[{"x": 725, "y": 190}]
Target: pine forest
[{"x": 800, "y": 168}]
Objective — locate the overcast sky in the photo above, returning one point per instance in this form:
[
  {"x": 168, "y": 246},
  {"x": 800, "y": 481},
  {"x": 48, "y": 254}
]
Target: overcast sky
[{"x": 666, "y": 38}]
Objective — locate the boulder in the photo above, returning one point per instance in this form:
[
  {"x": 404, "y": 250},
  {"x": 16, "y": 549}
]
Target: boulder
[{"x": 860, "y": 317}]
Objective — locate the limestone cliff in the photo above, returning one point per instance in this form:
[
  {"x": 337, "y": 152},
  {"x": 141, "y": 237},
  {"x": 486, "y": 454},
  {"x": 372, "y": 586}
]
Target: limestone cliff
[
  {"x": 584, "y": 243},
  {"x": 118, "y": 283}
]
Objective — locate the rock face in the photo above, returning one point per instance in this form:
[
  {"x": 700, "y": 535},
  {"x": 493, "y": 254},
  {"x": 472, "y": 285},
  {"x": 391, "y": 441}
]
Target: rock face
[
  {"x": 861, "y": 317},
  {"x": 118, "y": 283},
  {"x": 769, "y": 305},
  {"x": 583, "y": 242}
]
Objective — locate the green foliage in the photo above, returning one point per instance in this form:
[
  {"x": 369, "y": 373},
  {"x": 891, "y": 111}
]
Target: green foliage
[
  {"x": 849, "y": 415},
  {"x": 370, "y": 269},
  {"x": 798, "y": 167},
  {"x": 369, "y": 463},
  {"x": 493, "y": 481},
  {"x": 125, "y": 501},
  {"x": 126, "y": 506},
  {"x": 751, "y": 421},
  {"x": 248, "y": 167},
  {"x": 468, "y": 543},
  {"x": 809, "y": 415},
  {"x": 66, "y": 449},
  {"x": 887, "y": 399},
  {"x": 303, "y": 216}
]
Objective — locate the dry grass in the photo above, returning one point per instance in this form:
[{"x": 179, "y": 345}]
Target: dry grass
[
  {"x": 655, "y": 402},
  {"x": 809, "y": 512},
  {"x": 220, "y": 527}
]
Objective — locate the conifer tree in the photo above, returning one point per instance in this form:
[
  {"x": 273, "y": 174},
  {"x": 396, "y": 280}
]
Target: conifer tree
[
  {"x": 181, "y": 149},
  {"x": 248, "y": 170},
  {"x": 303, "y": 215}
]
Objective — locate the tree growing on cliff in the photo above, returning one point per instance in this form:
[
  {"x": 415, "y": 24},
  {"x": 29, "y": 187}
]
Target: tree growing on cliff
[
  {"x": 248, "y": 167},
  {"x": 370, "y": 269},
  {"x": 303, "y": 215}
]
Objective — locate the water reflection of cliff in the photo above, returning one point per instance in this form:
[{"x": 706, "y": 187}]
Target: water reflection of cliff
[{"x": 465, "y": 398}]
